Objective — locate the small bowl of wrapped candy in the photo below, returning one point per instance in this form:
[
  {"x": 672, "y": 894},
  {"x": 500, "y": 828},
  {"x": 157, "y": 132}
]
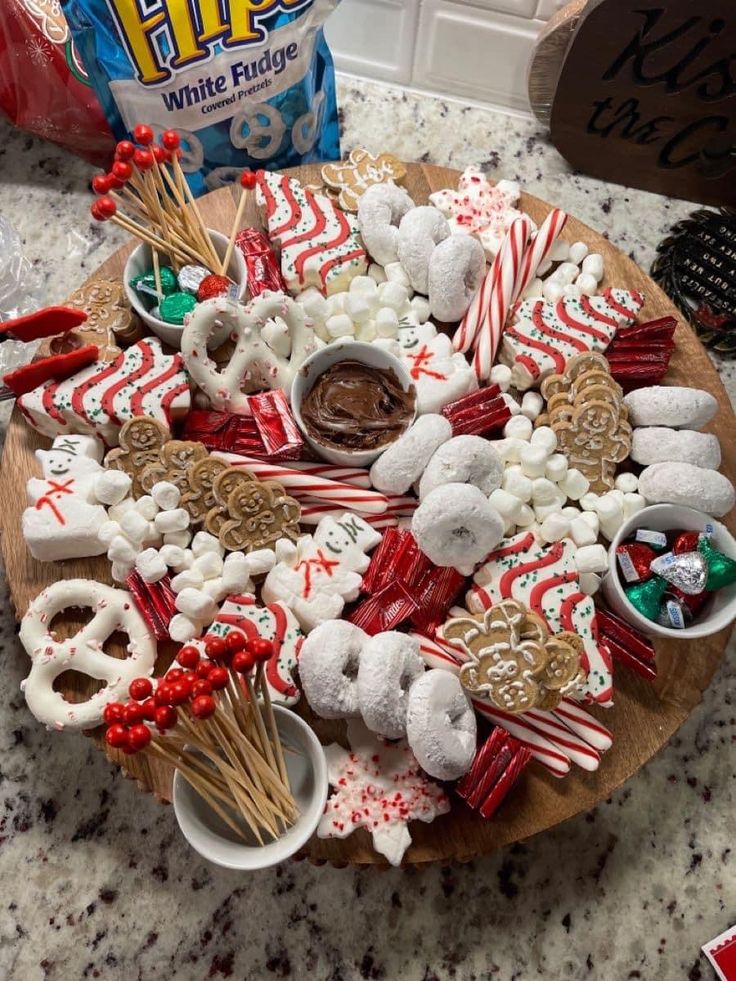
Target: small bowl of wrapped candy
[{"x": 672, "y": 573}]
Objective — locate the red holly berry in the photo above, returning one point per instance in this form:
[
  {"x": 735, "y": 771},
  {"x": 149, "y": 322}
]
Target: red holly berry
[
  {"x": 163, "y": 693},
  {"x": 218, "y": 678},
  {"x": 116, "y": 735},
  {"x": 248, "y": 179},
  {"x": 201, "y": 687},
  {"x": 188, "y": 657},
  {"x": 133, "y": 713},
  {"x": 236, "y": 641},
  {"x": 203, "y": 706},
  {"x": 140, "y": 689},
  {"x": 143, "y": 134},
  {"x": 203, "y": 669},
  {"x": 143, "y": 159},
  {"x": 101, "y": 184},
  {"x": 106, "y": 207},
  {"x": 188, "y": 678},
  {"x": 149, "y": 709},
  {"x": 179, "y": 692},
  {"x": 243, "y": 662},
  {"x": 166, "y": 716},
  {"x": 261, "y": 649},
  {"x": 139, "y": 737},
  {"x": 173, "y": 674},
  {"x": 122, "y": 170},
  {"x": 170, "y": 139},
  {"x": 124, "y": 150},
  {"x": 113, "y": 712},
  {"x": 216, "y": 649},
  {"x": 160, "y": 155}
]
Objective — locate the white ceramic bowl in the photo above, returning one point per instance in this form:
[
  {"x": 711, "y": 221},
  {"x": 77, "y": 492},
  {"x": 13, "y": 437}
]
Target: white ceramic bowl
[
  {"x": 140, "y": 261},
  {"x": 209, "y": 835},
  {"x": 721, "y": 610},
  {"x": 316, "y": 364}
]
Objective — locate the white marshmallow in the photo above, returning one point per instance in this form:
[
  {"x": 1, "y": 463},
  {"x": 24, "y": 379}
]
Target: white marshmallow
[
  {"x": 593, "y": 265},
  {"x": 166, "y": 495},
  {"x": 215, "y": 589},
  {"x": 121, "y": 550},
  {"x": 565, "y": 273},
  {"x": 543, "y": 511},
  {"x": 506, "y": 504},
  {"x": 533, "y": 460},
  {"x": 589, "y": 583},
  {"x": 554, "y": 528},
  {"x": 182, "y": 629},
  {"x": 176, "y": 520},
  {"x": 543, "y": 491},
  {"x": 285, "y": 551},
  {"x": 574, "y": 484},
  {"x": 196, "y": 604},
  {"x": 340, "y": 325},
  {"x": 587, "y": 284},
  {"x": 632, "y": 504},
  {"x": 315, "y": 305},
  {"x": 111, "y": 486},
  {"x": 511, "y": 404},
  {"x": 396, "y": 275},
  {"x": 358, "y": 306},
  {"x": 518, "y": 427},
  {"x": 546, "y": 438},
  {"x": 116, "y": 512},
  {"x": 556, "y": 467},
  {"x": 592, "y": 519},
  {"x": 147, "y": 507},
  {"x": 180, "y": 538},
  {"x": 120, "y": 571},
  {"x": 174, "y": 557},
  {"x": 582, "y": 533},
  {"x": 134, "y": 526},
  {"x": 571, "y": 292},
  {"x": 552, "y": 291},
  {"x": 570, "y": 512},
  {"x": 578, "y": 251},
  {"x": 608, "y": 507},
  {"x": 260, "y": 561},
  {"x": 532, "y": 404},
  {"x": 500, "y": 375},
  {"x": 393, "y": 294},
  {"x": 204, "y": 542},
  {"x": 544, "y": 267},
  {"x": 364, "y": 285},
  {"x": 187, "y": 579},
  {"x": 387, "y": 322},
  {"x": 208, "y": 565},
  {"x": 236, "y": 574},
  {"x": 108, "y": 531},
  {"x": 377, "y": 273},
  {"x": 151, "y": 565},
  {"x": 533, "y": 290},
  {"x": 525, "y": 517},
  {"x": 627, "y": 482},
  {"x": 589, "y": 501},
  {"x": 560, "y": 251},
  {"x": 514, "y": 482},
  {"x": 591, "y": 558},
  {"x": 509, "y": 449},
  {"x": 420, "y": 306}
]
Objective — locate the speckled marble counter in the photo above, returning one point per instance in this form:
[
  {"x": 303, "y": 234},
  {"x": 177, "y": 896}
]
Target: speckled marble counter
[{"x": 94, "y": 878}]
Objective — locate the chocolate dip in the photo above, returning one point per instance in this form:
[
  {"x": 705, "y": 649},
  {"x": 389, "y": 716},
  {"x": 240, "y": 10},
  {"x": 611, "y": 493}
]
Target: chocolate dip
[{"x": 353, "y": 406}]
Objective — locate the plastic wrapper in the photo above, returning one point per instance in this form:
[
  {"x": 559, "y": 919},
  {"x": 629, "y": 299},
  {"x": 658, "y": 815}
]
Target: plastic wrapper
[
  {"x": 20, "y": 292},
  {"x": 43, "y": 86},
  {"x": 247, "y": 85}
]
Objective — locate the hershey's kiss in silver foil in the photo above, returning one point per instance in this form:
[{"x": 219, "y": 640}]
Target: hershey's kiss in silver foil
[
  {"x": 688, "y": 571},
  {"x": 190, "y": 277}
]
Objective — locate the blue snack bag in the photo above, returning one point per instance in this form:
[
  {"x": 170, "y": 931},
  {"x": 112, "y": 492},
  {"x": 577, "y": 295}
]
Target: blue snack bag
[{"x": 246, "y": 83}]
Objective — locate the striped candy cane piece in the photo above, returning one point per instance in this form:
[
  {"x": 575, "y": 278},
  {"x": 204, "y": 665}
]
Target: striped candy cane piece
[
  {"x": 312, "y": 512},
  {"x": 345, "y": 475},
  {"x": 503, "y": 296},
  {"x": 581, "y": 722},
  {"x": 301, "y": 485},
  {"x": 465, "y": 336},
  {"x": 540, "y": 246}
]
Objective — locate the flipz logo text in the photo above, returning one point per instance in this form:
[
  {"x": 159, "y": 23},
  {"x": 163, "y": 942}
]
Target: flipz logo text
[{"x": 162, "y": 36}]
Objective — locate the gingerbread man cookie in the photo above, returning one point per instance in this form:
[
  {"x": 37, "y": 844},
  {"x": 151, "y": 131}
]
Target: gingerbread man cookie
[
  {"x": 175, "y": 460},
  {"x": 199, "y": 498},
  {"x": 141, "y": 442},
  {"x": 110, "y": 319},
  {"x": 250, "y": 514},
  {"x": 361, "y": 170}
]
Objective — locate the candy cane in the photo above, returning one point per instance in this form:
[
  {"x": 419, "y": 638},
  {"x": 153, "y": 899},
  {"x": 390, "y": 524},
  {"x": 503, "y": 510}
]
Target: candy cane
[
  {"x": 588, "y": 728},
  {"x": 312, "y": 512},
  {"x": 466, "y": 334},
  {"x": 339, "y": 495},
  {"x": 503, "y": 296},
  {"x": 346, "y": 475},
  {"x": 540, "y": 246}
]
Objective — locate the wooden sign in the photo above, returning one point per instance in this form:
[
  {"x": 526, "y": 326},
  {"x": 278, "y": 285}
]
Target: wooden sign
[{"x": 647, "y": 97}]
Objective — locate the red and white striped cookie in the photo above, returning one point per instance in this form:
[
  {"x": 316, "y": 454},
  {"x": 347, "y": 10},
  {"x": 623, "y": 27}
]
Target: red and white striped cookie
[{"x": 319, "y": 243}]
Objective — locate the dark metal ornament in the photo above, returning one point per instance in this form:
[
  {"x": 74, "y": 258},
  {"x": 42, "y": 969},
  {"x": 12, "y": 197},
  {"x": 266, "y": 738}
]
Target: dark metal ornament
[{"x": 696, "y": 267}]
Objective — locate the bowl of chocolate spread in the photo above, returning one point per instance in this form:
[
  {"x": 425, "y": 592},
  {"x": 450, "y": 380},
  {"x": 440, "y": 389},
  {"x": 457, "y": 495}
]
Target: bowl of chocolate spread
[{"x": 351, "y": 401}]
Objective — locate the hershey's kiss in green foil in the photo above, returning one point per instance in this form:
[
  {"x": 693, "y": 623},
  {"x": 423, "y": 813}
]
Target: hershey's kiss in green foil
[
  {"x": 174, "y": 307},
  {"x": 721, "y": 569},
  {"x": 647, "y": 596},
  {"x": 147, "y": 282}
]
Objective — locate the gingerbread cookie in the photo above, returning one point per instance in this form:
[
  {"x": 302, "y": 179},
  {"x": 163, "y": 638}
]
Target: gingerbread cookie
[
  {"x": 175, "y": 460},
  {"x": 110, "y": 319},
  {"x": 361, "y": 170},
  {"x": 141, "y": 442},
  {"x": 250, "y": 514},
  {"x": 199, "y": 498},
  {"x": 513, "y": 660}
]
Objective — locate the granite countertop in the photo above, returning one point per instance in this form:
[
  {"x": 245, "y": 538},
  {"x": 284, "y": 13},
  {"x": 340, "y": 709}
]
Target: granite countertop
[{"x": 97, "y": 882}]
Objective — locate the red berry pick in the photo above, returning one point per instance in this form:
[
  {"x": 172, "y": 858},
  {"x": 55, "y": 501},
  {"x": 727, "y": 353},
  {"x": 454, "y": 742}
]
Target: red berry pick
[
  {"x": 133, "y": 713},
  {"x": 140, "y": 689},
  {"x": 170, "y": 139},
  {"x": 117, "y": 735},
  {"x": 217, "y": 650},
  {"x": 236, "y": 641},
  {"x": 113, "y": 712},
  {"x": 143, "y": 159},
  {"x": 203, "y": 706},
  {"x": 261, "y": 649},
  {"x": 248, "y": 180},
  {"x": 188, "y": 657},
  {"x": 101, "y": 184},
  {"x": 218, "y": 678},
  {"x": 166, "y": 716},
  {"x": 139, "y": 737},
  {"x": 124, "y": 150},
  {"x": 243, "y": 662},
  {"x": 122, "y": 170},
  {"x": 143, "y": 134}
]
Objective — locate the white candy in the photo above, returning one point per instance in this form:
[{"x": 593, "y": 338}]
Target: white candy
[
  {"x": 554, "y": 528},
  {"x": 204, "y": 542},
  {"x": 632, "y": 504},
  {"x": 591, "y": 558},
  {"x": 518, "y": 427},
  {"x": 500, "y": 375},
  {"x": 394, "y": 294},
  {"x": 543, "y": 491},
  {"x": 151, "y": 565},
  {"x": 166, "y": 495},
  {"x": 364, "y": 285},
  {"x": 215, "y": 589},
  {"x": 556, "y": 467},
  {"x": 560, "y": 251},
  {"x": 396, "y": 274},
  {"x": 533, "y": 460},
  {"x": 359, "y": 307},
  {"x": 116, "y": 512},
  {"x": 544, "y": 267},
  {"x": 208, "y": 565},
  {"x": 588, "y": 501},
  {"x": 525, "y": 517},
  {"x": 589, "y": 583},
  {"x": 420, "y": 306},
  {"x": 506, "y": 504},
  {"x": 587, "y": 284},
  {"x": 174, "y": 557},
  {"x": 582, "y": 533},
  {"x": 509, "y": 449},
  {"x": 610, "y": 526},
  {"x": 340, "y": 325},
  {"x": 608, "y": 507},
  {"x": 134, "y": 526},
  {"x": 147, "y": 507},
  {"x": 514, "y": 482},
  {"x": 571, "y": 512},
  {"x": 575, "y": 485},
  {"x": 182, "y": 629},
  {"x": 180, "y": 538},
  {"x": 571, "y": 291},
  {"x": 121, "y": 550},
  {"x": 120, "y": 571},
  {"x": 236, "y": 573},
  {"x": 376, "y": 272},
  {"x": 196, "y": 604},
  {"x": 168, "y": 521},
  {"x": 626, "y": 482},
  {"x": 565, "y": 273},
  {"x": 592, "y": 519},
  {"x": 260, "y": 562},
  {"x": 546, "y": 438},
  {"x": 315, "y": 305},
  {"x": 387, "y": 322},
  {"x": 531, "y": 405},
  {"x": 578, "y": 251},
  {"x": 188, "y": 579},
  {"x": 511, "y": 403},
  {"x": 593, "y": 264},
  {"x": 111, "y": 486},
  {"x": 533, "y": 290},
  {"x": 552, "y": 291},
  {"x": 543, "y": 511},
  {"x": 108, "y": 531}
]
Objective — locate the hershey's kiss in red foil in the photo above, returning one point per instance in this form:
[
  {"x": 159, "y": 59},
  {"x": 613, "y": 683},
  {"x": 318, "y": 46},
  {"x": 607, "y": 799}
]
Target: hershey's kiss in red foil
[
  {"x": 686, "y": 541},
  {"x": 212, "y": 286},
  {"x": 634, "y": 560}
]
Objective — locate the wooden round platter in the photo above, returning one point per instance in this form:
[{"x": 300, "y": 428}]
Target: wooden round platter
[{"x": 644, "y": 715}]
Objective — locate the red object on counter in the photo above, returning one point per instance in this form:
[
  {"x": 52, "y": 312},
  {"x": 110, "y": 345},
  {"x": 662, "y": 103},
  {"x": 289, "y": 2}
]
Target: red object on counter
[
  {"x": 496, "y": 767},
  {"x": 47, "y": 322},
  {"x": 276, "y": 425},
  {"x": 627, "y": 644},
  {"x": 56, "y": 367},
  {"x": 264, "y": 271},
  {"x": 640, "y": 355},
  {"x": 156, "y": 602},
  {"x": 478, "y": 413},
  {"x": 230, "y": 433}
]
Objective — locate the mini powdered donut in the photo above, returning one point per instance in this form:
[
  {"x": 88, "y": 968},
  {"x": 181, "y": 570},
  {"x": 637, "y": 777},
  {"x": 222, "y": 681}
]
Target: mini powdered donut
[
  {"x": 328, "y": 669},
  {"x": 420, "y": 231},
  {"x": 659, "y": 444},
  {"x": 440, "y": 725},
  {"x": 455, "y": 525},
  {"x": 403, "y": 462},
  {"x": 456, "y": 268},
  {"x": 463, "y": 460},
  {"x": 693, "y": 487},
  {"x": 389, "y": 664},
  {"x": 670, "y": 405},
  {"x": 380, "y": 211}
]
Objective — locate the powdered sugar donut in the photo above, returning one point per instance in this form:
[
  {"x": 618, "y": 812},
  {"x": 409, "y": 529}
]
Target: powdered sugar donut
[
  {"x": 693, "y": 487},
  {"x": 670, "y": 405},
  {"x": 456, "y": 526},
  {"x": 380, "y": 211},
  {"x": 420, "y": 231},
  {"x": 403, "y": 462},
  {"x": 658, "y": 444},
  {"x": 440, "y": 725},
  {"x": 463, "y": 460},
  {"x": 390, "y": 662},
  {"x": 456, "y": 268},
  {"x": 328, "y": 668}
]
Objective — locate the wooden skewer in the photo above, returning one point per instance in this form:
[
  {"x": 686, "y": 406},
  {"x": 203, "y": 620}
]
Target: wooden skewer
[
  {"x": 157, "y": 274},
  {"x": 261, "y": 681},
  {"x": 186, "y": 191},
  {"x": 224, "y": 265}
]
